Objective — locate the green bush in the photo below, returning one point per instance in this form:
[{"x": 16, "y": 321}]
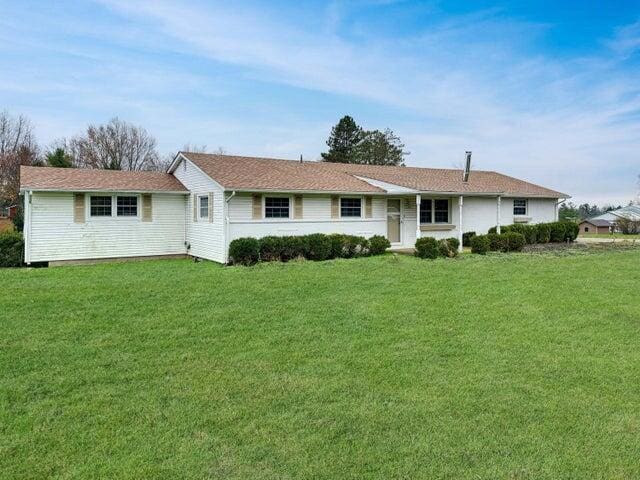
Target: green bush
[
  {"x": 466, "y": 238},
  {"x": 543, "y": 232},
  {"x": 336, "y": 240},
  {"x": 572, "y": 230},
  {"x": 557, "y": 232},
  {"x": 318, "y": 247},
  {"x": 293, "y": 247},
  {"x": 454, "y": 244},
  {"x": 354, "y": 246},
  {"x": 11, "y": 249},
  {"x": 448, "y": 247},
  {"x": 244, "y": 251},
  {"x": 530, "y": 234},
  {"x": 497, "y": 242},
  {"x": 480, "y": 244},
  {"x": 427, "y": 247},
  {"x": 270, "y": 249},
  {"x": 515, "y": 242},
  {"x": 378, "y": 245}
]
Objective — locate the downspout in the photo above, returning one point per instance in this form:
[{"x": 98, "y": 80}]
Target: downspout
[
  {"x": 418, "y": 202},
  {"x": 556, "y": 213},
  {"x": 27, "y": 227},
  {"x": 499, "y": 215},
  {"x": 460, "y": 235},
  {"x": 226, "y": 226}
]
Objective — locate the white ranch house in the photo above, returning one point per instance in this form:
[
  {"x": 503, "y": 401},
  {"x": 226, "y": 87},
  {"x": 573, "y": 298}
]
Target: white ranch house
[{"x": 205, "y": 201}]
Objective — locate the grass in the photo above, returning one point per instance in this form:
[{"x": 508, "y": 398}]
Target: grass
[
  {"x": 610, "y": 235},
  {"x": 498, "y": 367}
]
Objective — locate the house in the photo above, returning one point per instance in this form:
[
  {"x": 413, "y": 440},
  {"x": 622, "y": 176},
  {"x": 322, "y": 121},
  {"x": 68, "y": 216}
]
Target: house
[
  {"x": 7, "y": 215},
  {"x": 595, "y": 225},
  {"x": 606, "y": 222},
  {"x": 204, "y": 201}
]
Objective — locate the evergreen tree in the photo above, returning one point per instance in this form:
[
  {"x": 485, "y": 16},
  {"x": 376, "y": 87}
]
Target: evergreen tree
[
  {"x": 59, "y": 158},
  {"x": 380, "y": 148},
  {"x": 342, "y": 142}
]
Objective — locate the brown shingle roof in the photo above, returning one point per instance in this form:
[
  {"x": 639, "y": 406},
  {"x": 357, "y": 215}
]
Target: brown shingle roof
[
  {"x": 247, "y": 173},
  {"x": 76, "y": 179}
]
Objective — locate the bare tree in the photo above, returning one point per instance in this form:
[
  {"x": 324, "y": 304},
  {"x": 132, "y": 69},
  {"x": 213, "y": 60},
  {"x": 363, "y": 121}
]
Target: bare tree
[
  {"x": 17, "y": 147},
  {"x": 117, "y": 145}
]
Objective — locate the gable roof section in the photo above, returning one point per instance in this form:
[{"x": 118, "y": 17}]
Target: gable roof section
[
  {"x": 83, "y": 180},
  {"x": 253, "y": 173},
  {"x": 596, "y": 222}
]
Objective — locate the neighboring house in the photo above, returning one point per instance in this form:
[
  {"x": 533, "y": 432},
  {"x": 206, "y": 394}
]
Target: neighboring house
[
  {"x": 631, "y": 212},
  {"x": 205, "y": 201},
  {"x": 595, "y": 225},
  {"x": 6, "y": 217}
]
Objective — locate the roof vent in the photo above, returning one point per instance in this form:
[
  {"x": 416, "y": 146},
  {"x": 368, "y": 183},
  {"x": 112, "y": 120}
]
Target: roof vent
[
  {"x": 467, "y": 167},
  {"x": 300, "y": 158}
]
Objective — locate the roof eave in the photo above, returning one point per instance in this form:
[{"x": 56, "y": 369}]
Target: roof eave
[{"x": 105, "y": 190}]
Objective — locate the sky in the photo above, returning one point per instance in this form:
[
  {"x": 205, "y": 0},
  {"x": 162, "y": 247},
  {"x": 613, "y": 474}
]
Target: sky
[{"x": 546, "y": 91}]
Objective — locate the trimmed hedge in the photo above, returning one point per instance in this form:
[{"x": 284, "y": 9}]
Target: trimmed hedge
[
  {"x": 244, "y": 251},
  {"x": 317, "y": 246},
  {"x": 427, "y": 247},
  {"x": 466, "y": 238},
  {"x": 543, "y": 232},
  {"x": 378, "y": 245},
  {"x": 11, "y": 249},
  {"x": 480, "y": 244}
]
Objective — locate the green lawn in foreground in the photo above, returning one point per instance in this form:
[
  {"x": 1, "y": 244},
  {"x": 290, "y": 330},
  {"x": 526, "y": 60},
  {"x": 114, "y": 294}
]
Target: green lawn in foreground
[{"x": 504, "y": 367}]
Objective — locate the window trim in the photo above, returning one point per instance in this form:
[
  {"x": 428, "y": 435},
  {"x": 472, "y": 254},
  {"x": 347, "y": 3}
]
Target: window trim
[
  {"x": 349, "y": 217},
  {"x": 526, "y": 207},
  {"x": 200, "y": 217},
  {"x": 433, "y": 210},
  {"x": 276, "y": 195}
]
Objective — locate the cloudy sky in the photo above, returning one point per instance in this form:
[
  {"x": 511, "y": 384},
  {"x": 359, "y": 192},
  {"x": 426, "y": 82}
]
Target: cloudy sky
[{"x": 546, "y": 91}]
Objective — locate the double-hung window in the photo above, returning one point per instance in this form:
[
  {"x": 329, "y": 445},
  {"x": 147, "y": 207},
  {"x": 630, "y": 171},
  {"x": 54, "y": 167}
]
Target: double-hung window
[
  {"x": 276, "y": 207},
  {"x": 127, "y": 206},
  {"x": 100, "y": 206},
  {"x": 350, "y": 207},
  {"x": 203, "y": 206},
  {"x": 434, "y": 210},
  {"x": 519, "y": 206}
]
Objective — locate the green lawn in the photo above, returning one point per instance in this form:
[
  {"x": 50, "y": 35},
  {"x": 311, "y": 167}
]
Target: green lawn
[
  {"x": 504, "y": 367},
  {"x": 610, "y": 235}
]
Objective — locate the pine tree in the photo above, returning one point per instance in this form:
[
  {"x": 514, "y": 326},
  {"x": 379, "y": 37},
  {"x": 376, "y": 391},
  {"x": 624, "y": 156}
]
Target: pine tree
[
  {"x": 58, "y": 158},
  {"x": 343, "y": 141}
]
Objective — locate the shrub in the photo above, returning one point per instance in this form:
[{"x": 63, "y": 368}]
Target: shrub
[
  {"x": 378, "y": 245},
  {"x": 466, "y": 238},
  {"x": 427, "y": 247},
  {"x": 493, "y": 230},
  {"x": 244, "y": 251},
  {"x": 557, "y": 232},
  {"x": 270, "y": 249},
  {"x": 293, "y": 247},
  {"x": 448, "y": 247},
  {"x": 354, "y": 246},
  {"x": 318, "y": 247},
  {"x": 543, "y": 233},
  {"x": 336, "y": 240},
  {"x": 480, "y": 244},
  {"x": 571, "y": 231},
  {"x": 531, "y": 234},
  {"x": 514, "y": 241},
  {"x": 11, "y": 249},
  {"x": 497, "y": 242}
]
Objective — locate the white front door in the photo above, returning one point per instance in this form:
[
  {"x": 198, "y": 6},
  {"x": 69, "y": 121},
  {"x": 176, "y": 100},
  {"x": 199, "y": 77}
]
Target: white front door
[{"x": 394, "y": 220}]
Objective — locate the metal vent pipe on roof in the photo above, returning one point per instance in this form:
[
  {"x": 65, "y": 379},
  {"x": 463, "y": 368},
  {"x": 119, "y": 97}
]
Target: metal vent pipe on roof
[{"x": 467, "y": 167}]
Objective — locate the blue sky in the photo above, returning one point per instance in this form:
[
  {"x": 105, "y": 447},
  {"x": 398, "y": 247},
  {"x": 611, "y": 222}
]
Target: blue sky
[{"x": 546, "y": 91}]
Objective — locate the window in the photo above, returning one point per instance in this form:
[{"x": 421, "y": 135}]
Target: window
[
  {"x": 441, "y": 211},
  {"x": 276, "y": 207},
  {"x": 100, "y": 206},
  {"x": 426, "y": 210},
  {"x": 350, "y": 207},
  {"x": 127, "y": 206},
  {"x": 586, "y": 229},
  {"x": 204, "y": 206},
  {"x": 519, "y": 206},
  {"x": 434, "y": 210}
]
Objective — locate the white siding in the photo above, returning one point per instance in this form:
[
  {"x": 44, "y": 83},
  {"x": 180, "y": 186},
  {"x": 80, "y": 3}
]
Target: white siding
[
  {"x": 316, "y": 219},
  {"x": 479, "y": 214},
  {"x": 55, "y": 236},
  {"x": 207, "y": 240}
]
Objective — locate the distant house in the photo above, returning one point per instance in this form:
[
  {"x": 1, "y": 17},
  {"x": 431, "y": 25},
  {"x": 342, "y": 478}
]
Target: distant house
[
  {"x": 606, "y": 222},
  {"x": 595, "y": 225},
  {"x": 205, "y": 201}
]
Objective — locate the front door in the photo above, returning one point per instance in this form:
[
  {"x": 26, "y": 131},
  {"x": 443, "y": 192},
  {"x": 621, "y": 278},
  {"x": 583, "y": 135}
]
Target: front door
[{"x": 394, "y": 207}]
